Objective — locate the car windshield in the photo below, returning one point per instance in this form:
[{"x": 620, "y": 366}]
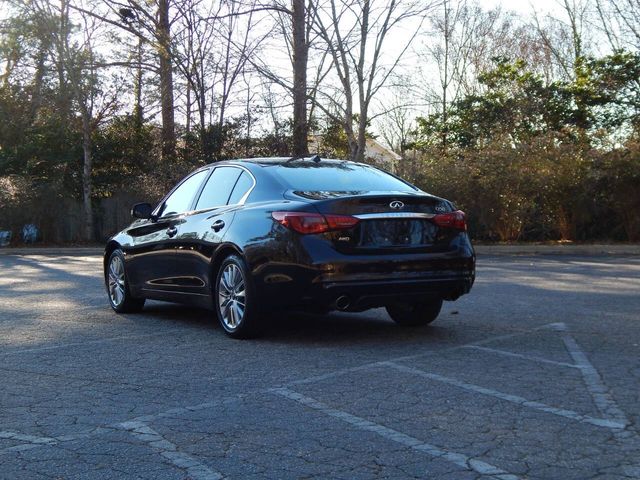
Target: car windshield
[{"x": 311, "y": 176}]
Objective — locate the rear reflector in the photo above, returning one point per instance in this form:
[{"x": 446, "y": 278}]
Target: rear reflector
[
  {"x": 455, "y": 220},
  {"x": 307, "y": 223}
]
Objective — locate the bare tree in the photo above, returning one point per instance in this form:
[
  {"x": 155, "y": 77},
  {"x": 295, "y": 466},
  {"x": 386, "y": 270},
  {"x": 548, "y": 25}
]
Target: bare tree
[
  {"x": 294, "y": 26},
  {"x": 151, "y": 23},
  {"x": 620, "y": 21},
  {"x": 355, "y": 33},
  {"x": 213, "y": 45},
  {"x": 566, "y": 36},
  {"x": 464, "y": 39},
  {"x": 195, "y": 55},
  {"x": 397, "y": 123}
]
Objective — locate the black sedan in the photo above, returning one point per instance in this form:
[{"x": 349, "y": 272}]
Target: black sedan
[{"x": 250, "y": 237}]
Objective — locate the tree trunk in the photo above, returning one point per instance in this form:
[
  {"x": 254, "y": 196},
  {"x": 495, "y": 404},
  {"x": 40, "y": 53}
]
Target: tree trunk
[
  {"x": 362, "y": 140},
  {"x": 87, "y": 208},
  {"x": 36, "y": 98},
  {"x": 138, "y": 114},
  {"x": 166, "y": 81},
  {"x": 363, "y": 91},
  {"x": 348, "y": 130},
  {"x": 202, "y": 113},
  {"x": 300, "y": 56},
  {"x": 188, "y": 108},
  {"x": 62, "y": 45}
]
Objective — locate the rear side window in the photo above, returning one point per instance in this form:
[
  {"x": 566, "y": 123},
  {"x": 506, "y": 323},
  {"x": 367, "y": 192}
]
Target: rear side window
[
  {"x": 218, "y": 188},
  {"x": 180, "y": 200},
  {"x": 337, "y": 176},
  {"x": 244, "y": 183}
]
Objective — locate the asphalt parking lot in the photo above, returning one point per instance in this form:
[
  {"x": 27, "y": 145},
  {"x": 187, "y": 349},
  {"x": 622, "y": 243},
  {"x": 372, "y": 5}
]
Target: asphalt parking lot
[{"x": 534, "y": 375}]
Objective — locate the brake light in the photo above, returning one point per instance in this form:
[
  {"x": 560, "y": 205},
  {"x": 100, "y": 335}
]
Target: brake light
[
  {"x": 341, "y": 222},
  {"x": 307, "y": 223},
  {"x": 455, "y": 220}
]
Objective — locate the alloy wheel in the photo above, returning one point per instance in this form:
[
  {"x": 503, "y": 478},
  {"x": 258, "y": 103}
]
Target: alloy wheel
[
  {"x": 231, "y": 296},
  {"x": 116, "y": 281}
]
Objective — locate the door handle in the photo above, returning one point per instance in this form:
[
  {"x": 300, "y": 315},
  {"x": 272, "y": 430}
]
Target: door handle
[
  {"x": 171, "y": 231},
  {"x": 217, "y": 225}
]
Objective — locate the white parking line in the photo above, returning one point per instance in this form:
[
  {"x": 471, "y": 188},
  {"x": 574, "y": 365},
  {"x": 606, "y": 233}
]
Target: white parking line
[
  {"x": 29, "y": 441},
  {"x": 34, "y": 442},
  {"x": 177, "y": 411},
  {"x": 26, "y": 438},
  {"x": 459, "y": 459},
  {"x": 561, "y": 412},
  {"x": 523, "y": 357},
  {"x": 194, "y": 469},
  {"x": 593, "y": 381},
  {"x": 602, "y": 399},
  {"x": 344, "y": 371}
]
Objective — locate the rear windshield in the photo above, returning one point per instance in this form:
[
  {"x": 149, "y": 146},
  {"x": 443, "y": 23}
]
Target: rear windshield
[{"x": 337, "y": 176}]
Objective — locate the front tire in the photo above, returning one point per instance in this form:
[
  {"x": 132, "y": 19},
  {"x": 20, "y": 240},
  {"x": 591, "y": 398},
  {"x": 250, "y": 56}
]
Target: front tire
[
  {"x": 235, "y": 299},
  {"x": 414, "y": 314},
  {"x": 120, "y": 297}
]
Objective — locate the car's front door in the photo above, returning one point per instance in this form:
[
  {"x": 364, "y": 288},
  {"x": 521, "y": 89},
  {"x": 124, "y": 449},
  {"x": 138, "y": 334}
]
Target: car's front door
[
  {"x": 206, "y": 226},
  {"x": 151, "y": 258}
]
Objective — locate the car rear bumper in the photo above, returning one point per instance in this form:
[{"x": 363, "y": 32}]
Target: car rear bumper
[
  {"x": 358, "y": 283},
  {"x": 358, "y": 296}
]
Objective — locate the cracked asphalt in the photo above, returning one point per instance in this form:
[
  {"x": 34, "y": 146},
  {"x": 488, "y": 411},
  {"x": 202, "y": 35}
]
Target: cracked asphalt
[{"x": 534, "y": 375}]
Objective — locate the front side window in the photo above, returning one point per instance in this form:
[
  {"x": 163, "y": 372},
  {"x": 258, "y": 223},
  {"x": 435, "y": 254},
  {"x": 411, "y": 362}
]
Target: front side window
[
  {"x": 218, "y": 188},
  {"x": 180, "y": 200}
]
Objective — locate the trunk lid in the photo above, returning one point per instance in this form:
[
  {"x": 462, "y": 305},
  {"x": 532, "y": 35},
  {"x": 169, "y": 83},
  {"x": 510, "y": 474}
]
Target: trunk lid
[{"x": 389, "y": 221}]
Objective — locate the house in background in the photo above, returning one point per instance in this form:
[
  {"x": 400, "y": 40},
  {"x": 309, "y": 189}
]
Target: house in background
[
  {"x": 375, "y": 153},
  {"x": 379, "y": 155}
]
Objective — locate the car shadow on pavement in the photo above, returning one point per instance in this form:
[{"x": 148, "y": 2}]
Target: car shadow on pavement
[
  {"x": 302, "y": 327},
  {"x": 372, "y": 326}
]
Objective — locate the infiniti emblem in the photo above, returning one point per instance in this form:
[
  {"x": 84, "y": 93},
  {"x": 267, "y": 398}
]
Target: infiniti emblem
[{"x": 397, "y": 204}]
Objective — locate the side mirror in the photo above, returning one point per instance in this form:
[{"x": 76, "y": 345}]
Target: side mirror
[{"x": 142, "y": 210}]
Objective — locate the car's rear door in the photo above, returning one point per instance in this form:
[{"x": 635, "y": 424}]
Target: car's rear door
[{"x": 205, "y": 227}]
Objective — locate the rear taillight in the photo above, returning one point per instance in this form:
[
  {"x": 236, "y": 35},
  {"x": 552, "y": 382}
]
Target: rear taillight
[
  {"x": 306, "y": 222},
  {"x": 454, "y": 220}
]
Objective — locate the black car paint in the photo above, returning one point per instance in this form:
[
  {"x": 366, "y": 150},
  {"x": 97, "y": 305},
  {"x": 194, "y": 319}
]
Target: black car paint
[{"x": 288, "y": 269}]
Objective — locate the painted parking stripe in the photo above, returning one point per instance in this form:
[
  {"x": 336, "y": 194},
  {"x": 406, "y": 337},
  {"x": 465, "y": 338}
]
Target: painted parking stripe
[
  {"x": 459, "y": 459},
  {"x": 561, "y": 412},
  {"x": 27, "y": 438},
  {"x": 597, "y": 389},
  {"x": 603, "y": 399},
  {"x": 476, "y": 343},
  {"x": 521, "y": 356},
  {"x": 193, "y": 468},
  {"x": 28, "y": 441}
]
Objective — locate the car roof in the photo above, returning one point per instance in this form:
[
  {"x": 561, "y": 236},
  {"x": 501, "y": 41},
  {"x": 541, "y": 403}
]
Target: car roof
[{"x": 272, "y": 161}]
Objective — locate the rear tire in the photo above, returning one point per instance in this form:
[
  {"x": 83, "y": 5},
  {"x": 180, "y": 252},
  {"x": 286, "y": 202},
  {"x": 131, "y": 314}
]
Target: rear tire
[
  {"x": 414, "y": 314},
  {"x": 234, "y": 299},
  {"x": 115, "y": 277}
]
